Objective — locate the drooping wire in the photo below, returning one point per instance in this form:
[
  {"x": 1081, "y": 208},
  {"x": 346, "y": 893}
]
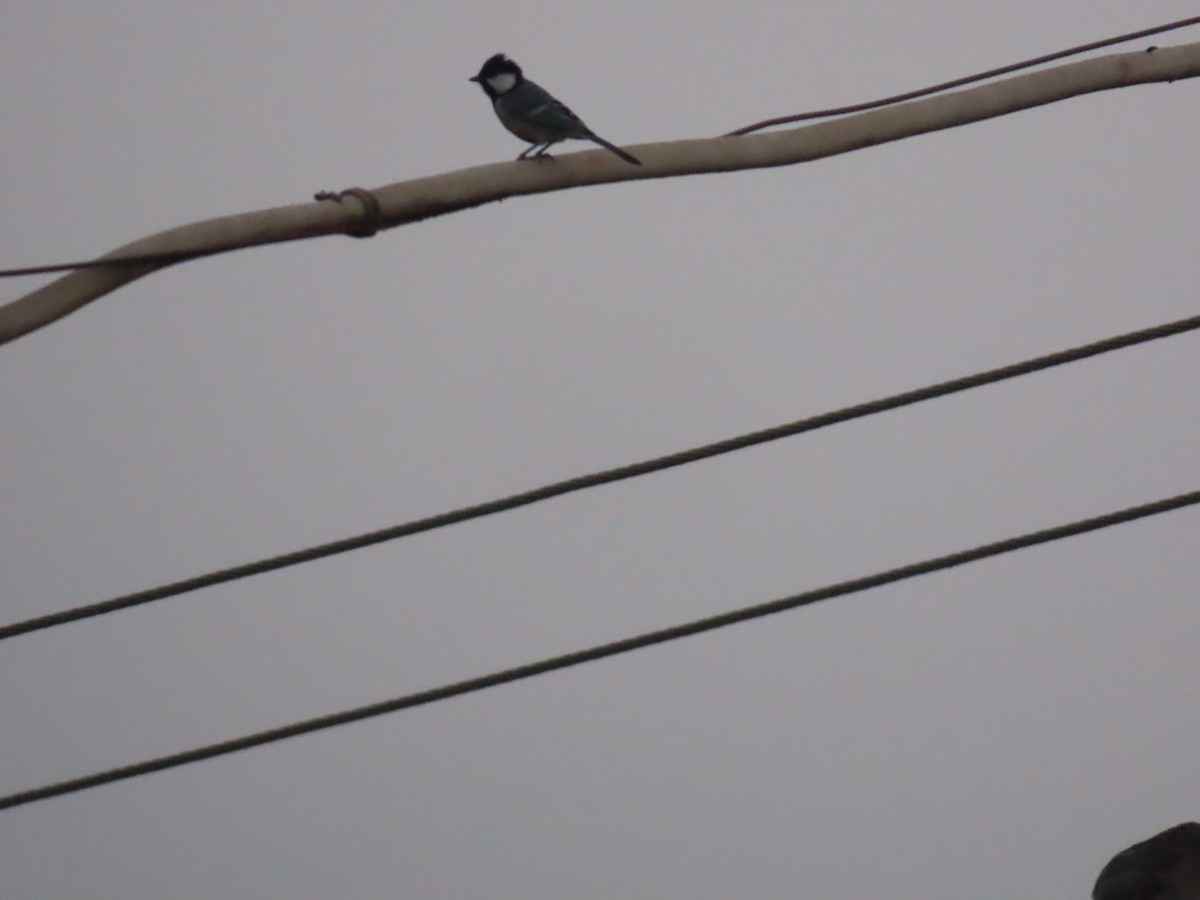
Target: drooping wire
[
  {"x": 960, "y": 82},
  {"x": 133, "y": 259},
  {"x": 600, "y": 651},
  {"x": 596, "y": 479}
]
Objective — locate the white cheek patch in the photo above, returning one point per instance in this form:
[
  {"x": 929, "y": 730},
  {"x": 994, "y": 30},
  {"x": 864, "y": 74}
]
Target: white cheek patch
[{"x": 502, "y": 83}]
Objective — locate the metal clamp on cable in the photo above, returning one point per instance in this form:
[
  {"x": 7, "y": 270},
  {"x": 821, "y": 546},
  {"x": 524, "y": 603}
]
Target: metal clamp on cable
[{"x": 371, "y": 211}]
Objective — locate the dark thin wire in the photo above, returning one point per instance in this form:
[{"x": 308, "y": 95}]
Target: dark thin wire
[
  {"x": 601, "y": 651},
  {"x": 959, "y": 82},
  {"x": 137, "y": 259},
  {"x": 595, "y": 479}
]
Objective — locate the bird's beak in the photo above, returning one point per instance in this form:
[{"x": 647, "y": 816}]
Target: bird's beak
[{"x": 474, "y": 78}]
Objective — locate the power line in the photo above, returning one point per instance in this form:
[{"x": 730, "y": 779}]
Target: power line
[
  {"x": 600, "y": 651},
  {"x": 961, "y": 82},
  {"x": 596, "y": 479},
  {"x": 133, "y": 259}
]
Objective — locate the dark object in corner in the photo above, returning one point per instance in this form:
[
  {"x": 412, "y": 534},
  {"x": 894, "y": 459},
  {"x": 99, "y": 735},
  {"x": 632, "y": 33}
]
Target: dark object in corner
[{"x": 1164, "y": 867}]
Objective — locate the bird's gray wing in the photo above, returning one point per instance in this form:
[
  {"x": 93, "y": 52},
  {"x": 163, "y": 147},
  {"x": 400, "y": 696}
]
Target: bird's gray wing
[{"x": 541, "y": 108}]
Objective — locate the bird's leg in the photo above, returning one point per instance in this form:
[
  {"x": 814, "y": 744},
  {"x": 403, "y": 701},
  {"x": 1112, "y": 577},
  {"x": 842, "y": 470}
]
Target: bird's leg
[{"x": 541, "y": 151}]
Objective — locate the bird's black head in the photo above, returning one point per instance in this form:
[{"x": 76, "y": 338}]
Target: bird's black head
[{"x": 499, "y": 75}]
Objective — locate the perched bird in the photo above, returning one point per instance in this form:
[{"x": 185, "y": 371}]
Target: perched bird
[
  {"x": 531, "y": 113},
  {"x": 1164, "y": 867}
]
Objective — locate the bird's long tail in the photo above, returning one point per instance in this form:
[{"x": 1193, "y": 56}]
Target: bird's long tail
[{"x": 617, "y": 150}]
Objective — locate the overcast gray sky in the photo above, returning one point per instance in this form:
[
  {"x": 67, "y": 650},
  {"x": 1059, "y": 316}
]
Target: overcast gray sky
[{"x": 995, "y": 731}]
